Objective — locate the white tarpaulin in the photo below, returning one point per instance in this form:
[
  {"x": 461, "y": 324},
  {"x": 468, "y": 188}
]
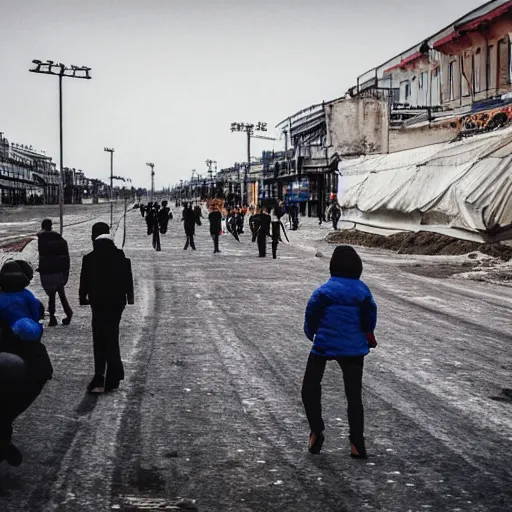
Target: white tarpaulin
[{"x": 462, "y": 188}]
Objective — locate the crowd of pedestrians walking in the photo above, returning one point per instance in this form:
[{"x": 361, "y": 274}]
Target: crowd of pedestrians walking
[{"x": 340, "y": 316}]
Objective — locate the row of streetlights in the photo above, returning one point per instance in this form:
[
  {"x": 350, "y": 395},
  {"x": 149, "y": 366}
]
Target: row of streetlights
[{"x": 251, "y": 130}]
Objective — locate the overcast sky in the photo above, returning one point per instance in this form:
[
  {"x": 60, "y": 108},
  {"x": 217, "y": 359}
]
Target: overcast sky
[{"x": 169, "y": 76}]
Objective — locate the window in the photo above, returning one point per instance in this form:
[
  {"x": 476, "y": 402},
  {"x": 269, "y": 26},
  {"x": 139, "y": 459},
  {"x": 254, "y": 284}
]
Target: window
[
  {"x": 423, "y": 89},
  {"x": 408, "y": 91},
  {"x": 405, "y": 91},
  {"x": 451, "y": 79}
]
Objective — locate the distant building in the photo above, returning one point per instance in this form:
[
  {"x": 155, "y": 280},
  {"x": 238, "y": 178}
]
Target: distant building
[{"x": 28, "y": 176}]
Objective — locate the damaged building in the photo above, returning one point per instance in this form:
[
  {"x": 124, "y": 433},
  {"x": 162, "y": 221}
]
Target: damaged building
[{"x": 438, "y": 158}]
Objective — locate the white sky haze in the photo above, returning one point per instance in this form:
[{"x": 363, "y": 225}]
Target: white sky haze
[{"x": 169, "y": 76}]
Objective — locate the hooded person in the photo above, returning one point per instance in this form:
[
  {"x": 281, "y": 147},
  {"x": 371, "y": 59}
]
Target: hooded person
[
  {"x": 264, "y": 224},
  {"x": 215, "y": 218},
  {"x": 24, "y": 363},
  {"x": 164, "y": 215},
  {"x": 340, "y": 318},
  {"x": 190, "y": 220},
  {"x": 54, "y": 266},
  {"x": 150, "y": 218},
  {"x": 106, "y": 284}
]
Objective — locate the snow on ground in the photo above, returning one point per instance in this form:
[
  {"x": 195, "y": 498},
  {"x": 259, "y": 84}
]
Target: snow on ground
[{"x": 210, "y": 409}]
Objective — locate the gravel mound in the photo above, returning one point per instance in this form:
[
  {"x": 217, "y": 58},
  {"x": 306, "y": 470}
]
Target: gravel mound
[{"x": 421, "y": 243}]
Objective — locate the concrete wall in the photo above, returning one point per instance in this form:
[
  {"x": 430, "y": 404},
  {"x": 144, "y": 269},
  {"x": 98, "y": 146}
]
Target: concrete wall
[
  {"x": 357, "y": 126},
  {"x": 410, "y": 138}
]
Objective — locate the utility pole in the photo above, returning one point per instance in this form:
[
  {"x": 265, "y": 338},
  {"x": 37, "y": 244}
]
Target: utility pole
[
  {"x": 111, "y": 151},
  {"x": 152, "y": 165},
  {"x": 249, "y": 129},
  {"x": 62, "y": 71}
]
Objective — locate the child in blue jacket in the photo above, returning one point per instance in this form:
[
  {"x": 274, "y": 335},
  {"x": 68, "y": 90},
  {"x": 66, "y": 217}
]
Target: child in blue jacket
[
  {"x": 340, "y": 319},
  {"x": 24, "y": 363}
]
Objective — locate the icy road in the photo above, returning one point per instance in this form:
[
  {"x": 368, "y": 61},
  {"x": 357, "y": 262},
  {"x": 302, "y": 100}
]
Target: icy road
[{"x": 210, "y": 415}]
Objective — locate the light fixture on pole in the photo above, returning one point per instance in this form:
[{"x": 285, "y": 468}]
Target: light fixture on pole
[
  {"x": 152, "y": 165},
  {"x": 249, "y": 129},
  {"x": 62, "y": 71},
  {"x": 111, "y": 151}
]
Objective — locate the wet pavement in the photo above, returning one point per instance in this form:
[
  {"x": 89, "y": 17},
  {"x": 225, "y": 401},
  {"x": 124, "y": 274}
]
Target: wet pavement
[{"x": 210, "y": 416}]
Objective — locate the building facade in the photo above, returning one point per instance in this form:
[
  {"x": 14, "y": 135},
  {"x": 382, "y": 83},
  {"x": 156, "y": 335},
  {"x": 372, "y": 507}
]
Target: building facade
[{"x": 28, "y": 176}]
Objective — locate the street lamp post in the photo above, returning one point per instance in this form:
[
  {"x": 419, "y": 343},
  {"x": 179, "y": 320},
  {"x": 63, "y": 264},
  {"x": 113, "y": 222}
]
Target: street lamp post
[
  {"x": 209, "y": 164},
  {"x": 152, "y": 165},
  {"x": 111, "y": 151},
  {"x": 249, "y": 129},
  {"x": 62, "y": 71}
]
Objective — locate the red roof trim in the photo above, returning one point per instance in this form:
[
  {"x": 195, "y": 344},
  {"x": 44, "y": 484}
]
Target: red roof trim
[
  {"x": 473, "y": 24},
  {"x": 404, "y": 62}
]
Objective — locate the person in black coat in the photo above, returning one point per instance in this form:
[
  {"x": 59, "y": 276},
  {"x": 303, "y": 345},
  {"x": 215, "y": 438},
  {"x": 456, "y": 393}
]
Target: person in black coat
[
  {"x": 54, "y": 265},
  {"x": 254, "y": 224},
  {"x": 198, "y": 213},
  {"x": 239, "y": 221},
  {"x": 263, "y": 231},
  {"x": 106, "y": 284},
  {"x": 150, "y": 218},
  {"x": 215, "y": 219},
  {"x": 190, "y": 219},
  {"x": 164, "y": 215}
]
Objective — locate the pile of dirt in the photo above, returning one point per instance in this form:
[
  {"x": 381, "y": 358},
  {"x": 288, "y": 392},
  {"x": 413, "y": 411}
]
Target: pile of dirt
[{"x": 422, "y": 242}]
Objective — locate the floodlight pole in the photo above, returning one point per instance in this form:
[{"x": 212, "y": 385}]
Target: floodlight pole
[
  {"x": 61, "y": 142},
  {"x": 47, "y": 68},
  {"x": 152, "y": 165},
  {"x": 249, "y": 129},
  {"x": 111, "y": 151}
]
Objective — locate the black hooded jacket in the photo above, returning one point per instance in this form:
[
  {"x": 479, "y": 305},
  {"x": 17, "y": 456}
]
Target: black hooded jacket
[
  {"x": 190, "y": 220},
  {"x": 106, "y": 277},
  {"x": 53, "y": 253}
]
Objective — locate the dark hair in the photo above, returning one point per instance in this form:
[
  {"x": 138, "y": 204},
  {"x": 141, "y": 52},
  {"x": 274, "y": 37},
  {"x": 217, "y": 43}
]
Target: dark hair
[
  {"x": 46, "y": 225},
  {"x": 345, "y": 262},
  {"x": 100, "y": 228}
]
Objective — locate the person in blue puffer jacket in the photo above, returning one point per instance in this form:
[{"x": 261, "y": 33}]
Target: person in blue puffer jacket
[
  {"x": 24, "y": 363},
  {"x": 340, "y": 319}
]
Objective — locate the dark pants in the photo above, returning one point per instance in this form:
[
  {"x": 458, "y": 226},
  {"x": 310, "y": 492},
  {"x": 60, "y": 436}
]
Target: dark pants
[
  {"x": 105, "y": 335},
  {"x": 190, "y": 240},
  {"x": 352, "y": 368},
  {"x": 262, "y": 245},
  {"x": 63, "y": 300},
  {"x": 156, "y": 239},
  {"x": 15, "y": 404},
  {"x": 15, "y": 400},
  {"x": 275, "y": 243},
  {"x": 215, "y": 243}
]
